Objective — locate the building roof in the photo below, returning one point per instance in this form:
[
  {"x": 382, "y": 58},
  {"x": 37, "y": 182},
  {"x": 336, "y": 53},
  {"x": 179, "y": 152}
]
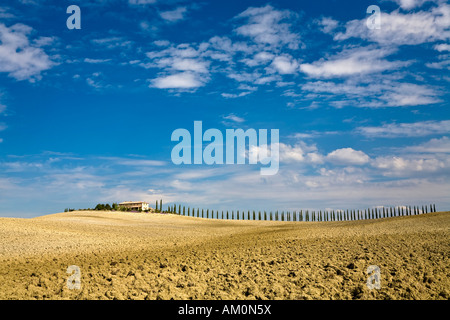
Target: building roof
[{"x": 134, "y": 202}]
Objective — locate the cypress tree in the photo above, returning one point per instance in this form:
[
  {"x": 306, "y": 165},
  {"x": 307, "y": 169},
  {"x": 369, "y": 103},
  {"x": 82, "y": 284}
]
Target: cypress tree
[
  {"x": 160, "y": 206},
  {"x": 434, "y": 207},
  {"x": 259, "y": 216},
  {"x": 301, "y": 215},
  {"x": 254, "y": 215}
]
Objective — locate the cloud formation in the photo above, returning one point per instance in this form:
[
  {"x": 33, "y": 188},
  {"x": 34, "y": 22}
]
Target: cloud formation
[{"x": 20, "y": 58}]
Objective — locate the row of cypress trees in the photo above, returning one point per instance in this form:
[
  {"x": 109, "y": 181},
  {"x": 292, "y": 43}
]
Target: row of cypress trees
[{"x": 326, "y": 215}]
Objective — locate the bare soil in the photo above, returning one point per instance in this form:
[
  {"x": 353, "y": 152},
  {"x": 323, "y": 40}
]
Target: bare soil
[{"x": 161, "y": 256}]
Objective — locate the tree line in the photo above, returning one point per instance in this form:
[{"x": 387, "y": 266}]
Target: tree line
[
  {"x": 304, "y": 215},
  {"x": 301, "y": 215}
]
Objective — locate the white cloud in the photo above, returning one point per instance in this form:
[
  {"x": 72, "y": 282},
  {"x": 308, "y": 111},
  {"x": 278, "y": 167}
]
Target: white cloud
[
  {"x": 234, "y": 118},
  {"x": 259, "y": 58},
  {"x": 185, "y": 63},
  {"x": 351, "y": 62},
  {"x": 285, "y": 64},
  {"x": 174, "y": 15},
  {"x": 414, "y": 129},
  {"x": 327, "y": 24},
  {"x": 235, "y": 95},
  {"x": 400, "y": 29},
  {"x": 267, "y": 26},
  {"x": 400, "y": 166},
  {"x": 441, "y": 145},
  {"x": 162, "y": 43},
  {"x": 348, "y": 156},
  {"x": 88, "y": 60},
  {"x": 442, "y": 47},
  {"x": 183, "y": 80},
  {"x": 112, "y": 42},
  {"x": 20, "y": 59},
  {"x": 300, "y": 153},
  {"x": 373, "y": 92},
  {"x": 410, "y": 4}
]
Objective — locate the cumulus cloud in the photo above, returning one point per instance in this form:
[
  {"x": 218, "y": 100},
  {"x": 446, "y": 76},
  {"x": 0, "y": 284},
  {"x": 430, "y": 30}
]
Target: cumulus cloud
[
  {"x": 442, "y": 47},
  {"x": 403, "y": 29},
  {"x": 21, "y": 59},
  {"x": 186, "y": 64},
  {"x": 268, "y": 26},
  {"x": 285, "y": 64},
  {"x": 347, "y": 156},
  {"x": 327, "y": 24},
  {"x": 182, "y": 80},
  {"x": 400, "y": 166}
]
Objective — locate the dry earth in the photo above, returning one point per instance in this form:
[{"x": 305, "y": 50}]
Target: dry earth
[{"x": 157, "y": 256}]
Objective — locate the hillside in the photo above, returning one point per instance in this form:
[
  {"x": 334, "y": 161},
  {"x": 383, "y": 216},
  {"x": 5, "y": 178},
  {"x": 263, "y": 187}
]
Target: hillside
[{"x": 159, "y": 256}]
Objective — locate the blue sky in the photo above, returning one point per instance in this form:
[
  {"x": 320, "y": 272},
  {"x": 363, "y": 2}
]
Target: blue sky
[{"x": 86, "y": 116}]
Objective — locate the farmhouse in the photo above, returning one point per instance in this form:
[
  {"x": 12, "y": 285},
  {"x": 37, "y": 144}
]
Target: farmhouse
[{"x": 135, "y": 205}]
